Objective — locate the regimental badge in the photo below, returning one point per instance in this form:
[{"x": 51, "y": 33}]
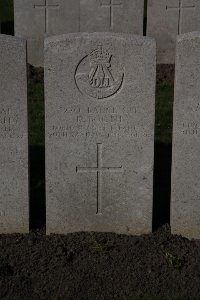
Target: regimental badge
[{"x": 99, "y": 75}]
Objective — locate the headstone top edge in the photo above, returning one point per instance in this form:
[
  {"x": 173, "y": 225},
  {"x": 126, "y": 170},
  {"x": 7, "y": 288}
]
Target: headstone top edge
[
  {"x": 126, "y": 36},
  {"x": 10, "y": 38},
  {"x": 188, "y": 36}
]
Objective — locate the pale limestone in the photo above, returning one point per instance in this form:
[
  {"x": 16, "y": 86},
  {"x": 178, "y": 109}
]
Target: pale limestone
[
  {"x": 14, "y": 200},
  {"x": 168, "y": 18},
  {"x": 185, "y": 202},
  {"x": 112, "y": 15},
  {"x": 35, "y": 22},
  {"x": 100, "y": 94}
]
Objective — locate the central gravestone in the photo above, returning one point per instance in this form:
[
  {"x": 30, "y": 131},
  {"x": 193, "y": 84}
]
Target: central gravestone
[{"x": 100, "y": 92}]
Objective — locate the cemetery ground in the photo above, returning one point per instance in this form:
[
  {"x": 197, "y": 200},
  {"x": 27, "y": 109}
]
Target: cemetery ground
[{"x": 100, "y": 265}]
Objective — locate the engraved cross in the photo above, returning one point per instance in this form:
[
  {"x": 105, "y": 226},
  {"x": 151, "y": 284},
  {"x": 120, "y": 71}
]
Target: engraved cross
[
  {"x": 99, "y": 170},
  {"x": 46, "y": 6},
  {"x": 180, "y": 7},
  {"x": 111, "y": 5}
]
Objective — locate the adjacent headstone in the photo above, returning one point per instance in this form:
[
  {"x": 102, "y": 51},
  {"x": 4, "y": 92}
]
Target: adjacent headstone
[
  {"x": 14, "y": 203},
  {"x": 168, "y": 18},
  {"x": 36, "y": 19},
  {"x": 112, "y": 15},
  {"x": 185, "y": 202},
  {"x": 100, "y": 92}
]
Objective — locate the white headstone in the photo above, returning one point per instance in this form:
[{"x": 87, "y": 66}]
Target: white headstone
[
  {"x": 112, "y": 15},
  {"x": 14, "y": 200},
  {"x": 100, "y": 92},
  {"x": 36, "y": 19},
  {"x": 168, "y": 18},
  {"x": 185, "y": 202}
]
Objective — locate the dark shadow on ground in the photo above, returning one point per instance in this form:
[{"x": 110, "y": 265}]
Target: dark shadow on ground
[
  {"x": 162, "y": 185},
  {"x": 37, "y": 187},
  {"x": 7, "y": 28}
]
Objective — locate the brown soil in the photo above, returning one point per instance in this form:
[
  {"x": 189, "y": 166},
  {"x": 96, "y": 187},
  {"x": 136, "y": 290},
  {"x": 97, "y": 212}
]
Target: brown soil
[
  {"x": 98, "y": 266},
  {"x": 165, "y": 74}
]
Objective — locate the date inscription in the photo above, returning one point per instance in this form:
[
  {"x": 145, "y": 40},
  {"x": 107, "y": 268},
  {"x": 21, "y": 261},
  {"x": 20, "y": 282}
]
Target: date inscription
[{"x": 97, "y": 121}]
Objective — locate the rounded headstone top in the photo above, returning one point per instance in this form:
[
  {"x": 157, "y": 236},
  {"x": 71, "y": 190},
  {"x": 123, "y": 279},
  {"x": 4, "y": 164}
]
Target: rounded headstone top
[
  {"x": 188, "y": 36},
  {"x": 101, "y": 35},
  {"x": 9, "y": 38}
]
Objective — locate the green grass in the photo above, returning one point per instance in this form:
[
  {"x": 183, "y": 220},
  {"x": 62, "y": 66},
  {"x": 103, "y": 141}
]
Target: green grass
[
  {"x": 6, "y": 10},
  {"x": 174, "y": 261},
  {"x": 36, "y": 114},
  {"x": 164, "y": 113}
]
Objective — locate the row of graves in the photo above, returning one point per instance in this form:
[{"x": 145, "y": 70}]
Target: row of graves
[
  {"x": 99, "y": 117},
  {"x": 37, "y": 19}
]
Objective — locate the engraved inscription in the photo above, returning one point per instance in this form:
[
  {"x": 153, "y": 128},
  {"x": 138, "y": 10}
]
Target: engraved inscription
[
  {"x": 46, "y": 6},
  {"x": 99, "y": 74},
  {"x": 180, "y": 8},
  {"x": 9, "y": 124},
  {"x": 112, "y": 6},
  {"x": 111, "y": 122},
  {"x": 99, "y": 170},
  {"x": 190, "y": 128}
]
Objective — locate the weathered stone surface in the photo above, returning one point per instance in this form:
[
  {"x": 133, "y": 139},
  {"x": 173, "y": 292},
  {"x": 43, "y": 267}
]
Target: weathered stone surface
[
  {"x": 168, "y": 18},
  {"x": 14, "y": 202},
  {"x": 36, "y": 19},
  {"x": 185, "y": 202},
  {"x": 99, "y": 132},
  {"x": 112, "y": 15}
]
